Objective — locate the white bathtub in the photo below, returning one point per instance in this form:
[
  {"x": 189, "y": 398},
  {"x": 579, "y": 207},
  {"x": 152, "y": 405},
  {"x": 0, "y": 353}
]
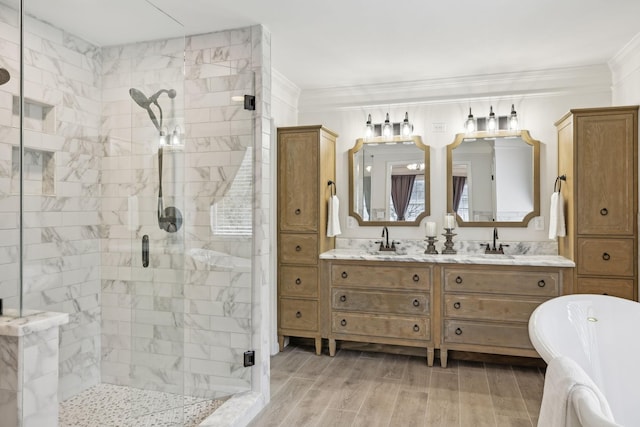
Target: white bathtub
[{"x": 602, "y": 334}]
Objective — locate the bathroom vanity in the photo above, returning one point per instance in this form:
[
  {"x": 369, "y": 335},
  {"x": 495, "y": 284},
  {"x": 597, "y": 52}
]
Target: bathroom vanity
[{"x": 475, "y": 303}]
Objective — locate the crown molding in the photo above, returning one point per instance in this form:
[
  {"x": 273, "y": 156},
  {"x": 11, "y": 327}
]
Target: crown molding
[
  {"x": 586, "y": 79},
  {"x": 626, "y": 61},
  {"x": 284, "y": 90}
]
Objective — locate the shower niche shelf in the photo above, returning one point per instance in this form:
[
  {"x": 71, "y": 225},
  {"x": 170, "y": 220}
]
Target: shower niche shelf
[
  {"x": 38, "y": 172},
  {"x": 38, "y": 116}
]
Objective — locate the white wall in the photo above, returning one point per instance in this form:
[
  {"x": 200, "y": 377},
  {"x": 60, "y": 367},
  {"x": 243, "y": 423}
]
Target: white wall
[{"x": 625, "y": 71}]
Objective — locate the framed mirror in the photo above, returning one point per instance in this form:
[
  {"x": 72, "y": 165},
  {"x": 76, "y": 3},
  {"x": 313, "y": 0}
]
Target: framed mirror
[
  {"x": 389, "y": 182},
  {"x": 493, "y": 179}
]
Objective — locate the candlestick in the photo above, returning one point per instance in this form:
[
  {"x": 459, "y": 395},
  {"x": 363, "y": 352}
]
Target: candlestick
[
  {"x": 431, "y": 247},
  {"x": 448, "y": 244}
]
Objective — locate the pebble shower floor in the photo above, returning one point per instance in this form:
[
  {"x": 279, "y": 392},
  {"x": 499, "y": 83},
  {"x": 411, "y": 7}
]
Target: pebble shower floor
[{"x": 107, "y": 405}]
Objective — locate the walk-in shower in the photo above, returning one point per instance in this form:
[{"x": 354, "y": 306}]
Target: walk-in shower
[{"x": 86, "y": 183}]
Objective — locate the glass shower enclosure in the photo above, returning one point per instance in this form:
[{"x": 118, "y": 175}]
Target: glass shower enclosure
[{"x": 126, "y": 201}]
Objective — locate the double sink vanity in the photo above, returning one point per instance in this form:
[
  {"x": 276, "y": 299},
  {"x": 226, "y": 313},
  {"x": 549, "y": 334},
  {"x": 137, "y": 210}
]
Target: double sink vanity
[
  {"x": 468, "y": 301},
  {"x": 477, "y": 303}
]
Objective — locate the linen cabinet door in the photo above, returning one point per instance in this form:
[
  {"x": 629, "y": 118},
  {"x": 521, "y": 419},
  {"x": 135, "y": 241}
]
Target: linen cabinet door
[
  {"x": 605, "y": 187},
  {"x": 298, "y": 181}
]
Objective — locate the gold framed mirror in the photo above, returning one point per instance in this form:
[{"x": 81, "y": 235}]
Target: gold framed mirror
[
  {"x": 389, "y": 182},
  {"x": 493, "y": 179}
]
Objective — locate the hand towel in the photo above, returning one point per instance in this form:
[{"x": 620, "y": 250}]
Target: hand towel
[
  {"x": 571, "y": 399},
  {"x": 556, "y": 216},
  {"x": 333, "y": 219}
]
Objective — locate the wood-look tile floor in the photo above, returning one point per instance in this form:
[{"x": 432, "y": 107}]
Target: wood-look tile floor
[{"x": 357, "y": 388}]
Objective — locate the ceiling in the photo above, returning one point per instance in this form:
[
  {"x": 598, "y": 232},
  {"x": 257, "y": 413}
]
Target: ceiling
[{"x": 334, "y": 43}]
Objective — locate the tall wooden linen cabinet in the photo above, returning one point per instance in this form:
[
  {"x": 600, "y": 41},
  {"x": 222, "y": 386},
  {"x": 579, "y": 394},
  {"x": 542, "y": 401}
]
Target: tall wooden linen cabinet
[
  {"x": 598, "y": 153},
  {"x": 306, "y": 163}
]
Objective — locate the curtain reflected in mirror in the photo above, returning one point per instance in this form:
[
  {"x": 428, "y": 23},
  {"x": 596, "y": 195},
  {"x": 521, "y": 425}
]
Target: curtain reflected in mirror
[{"x": 401, "y": 190}]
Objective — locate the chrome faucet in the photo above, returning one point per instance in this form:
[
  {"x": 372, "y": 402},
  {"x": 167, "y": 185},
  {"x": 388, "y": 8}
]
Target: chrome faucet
[
  {"x": 384, "y": 246},
  {"x": 494, "y": 249}
]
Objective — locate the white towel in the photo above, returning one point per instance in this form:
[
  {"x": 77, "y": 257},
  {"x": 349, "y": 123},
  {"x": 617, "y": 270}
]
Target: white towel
[
  {"x": 556, "y": 216},
  {"x": 571, "y": 399},
  {"x": 333, "y": 219}
]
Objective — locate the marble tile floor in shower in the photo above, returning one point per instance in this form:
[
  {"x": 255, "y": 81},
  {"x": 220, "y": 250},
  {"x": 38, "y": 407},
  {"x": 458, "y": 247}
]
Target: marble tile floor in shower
[
  {"x": 368, "y": 389},
  {"x": 108, "y": 405}
]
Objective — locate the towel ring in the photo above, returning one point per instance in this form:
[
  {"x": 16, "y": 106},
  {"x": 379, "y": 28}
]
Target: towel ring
[
  {"x": 333, "y": 187},
  {"x": 558, "y": 183}
]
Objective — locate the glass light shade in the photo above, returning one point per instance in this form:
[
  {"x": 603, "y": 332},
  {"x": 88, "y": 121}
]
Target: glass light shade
[
  {"x": 368, "y": 130},
  {"x": 163, "y": 138},
  {"x": 470, "y": 124},
  {"x": 387, "y": 129},
  {"x": 176, "y": 136},
  {"x": 492, "y": 123},
  {"x": 513, "y": 119},
  {"x": 407, "y": 128}
]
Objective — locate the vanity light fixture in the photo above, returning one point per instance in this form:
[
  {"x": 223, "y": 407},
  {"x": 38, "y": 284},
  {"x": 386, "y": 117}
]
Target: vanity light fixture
[
  {"x": 470, "y": 124},
  {"x": 407, "y": 128},
  {"x": 387, "y": 129},
  {"x": 163, "y": 140},
  {"x": 368, "y": 130},
  {"x": 513, "y": 119},
  {"x": 176, "y": 136},
  {"x": 415, "y": 166},
  {"x": 492, "y": 122}
]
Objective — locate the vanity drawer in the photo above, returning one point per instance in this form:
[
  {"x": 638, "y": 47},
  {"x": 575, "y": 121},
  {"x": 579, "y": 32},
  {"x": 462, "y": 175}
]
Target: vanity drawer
[
  {"x": 298, "y": 248},
  {"x": 622, "y": 288},
  {"x": 486, "y": 334},
  {"x": 488, "y": 308},
  {"x": 380, "y": 302},
  {"x": 294, "y": 281},
  {"x": 607, "y": 257},
  {"x": 381, "y": 276},
  {"x": 298, "y": 314},
  {"x": 543, "y": 283},
  {"x": 417, "y": 328}
]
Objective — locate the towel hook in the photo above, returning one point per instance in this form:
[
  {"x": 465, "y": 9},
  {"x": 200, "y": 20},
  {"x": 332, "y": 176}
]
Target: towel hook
[
  {"x": 558, "y": 183},
  {"x": 333, "y": 188}
]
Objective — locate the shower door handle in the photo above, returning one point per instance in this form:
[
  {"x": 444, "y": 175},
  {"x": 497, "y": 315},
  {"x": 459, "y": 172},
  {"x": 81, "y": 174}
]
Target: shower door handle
[{"x": 145, "y": 251}]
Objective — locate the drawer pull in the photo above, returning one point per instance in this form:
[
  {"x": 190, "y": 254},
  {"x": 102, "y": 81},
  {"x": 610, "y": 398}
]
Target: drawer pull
[
  {"x": 606, "y": 256},
  {"x": 416, "y": 278},
  {"x": 416, "y": 328},
  {"x": 298, "y": 248},
  {"x": 604, "y": 211},
  {"x": 458, "y": 331},
  {"x": 456, "y": 305},
  {"x": 298, "y": 281},
  {"x": 298, "y": 315},
  {"x": 458, "y": 280},
  {"x": 298, "y": 211},
  {"x": 344, "y": 275},
  {"x": 343, "y": 322},
  {"x": 343, "y": 298},
  {"x": 541, "y": 283},
  {"x": 416, "y": 303}
]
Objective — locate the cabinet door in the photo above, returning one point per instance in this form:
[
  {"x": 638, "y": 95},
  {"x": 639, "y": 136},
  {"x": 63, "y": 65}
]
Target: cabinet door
[
  {"x": 605, "y": 175},
  {"x": 298, "y": 181}
]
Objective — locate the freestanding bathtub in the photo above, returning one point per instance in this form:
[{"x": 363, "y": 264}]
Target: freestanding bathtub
[{"x": 602, "y": 334}]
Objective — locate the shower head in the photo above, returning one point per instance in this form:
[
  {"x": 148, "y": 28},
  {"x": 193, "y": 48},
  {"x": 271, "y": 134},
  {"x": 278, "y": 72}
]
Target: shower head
[
  {"x": 4, "y": 76},
  {"x": 144, "y": 102},
  {"x": 139, "y": 98}
]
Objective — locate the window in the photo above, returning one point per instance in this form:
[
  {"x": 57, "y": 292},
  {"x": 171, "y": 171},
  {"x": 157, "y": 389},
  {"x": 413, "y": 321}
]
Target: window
[
  {"x": 463, "y": 208},
  {"x": 232, "y": 216}
]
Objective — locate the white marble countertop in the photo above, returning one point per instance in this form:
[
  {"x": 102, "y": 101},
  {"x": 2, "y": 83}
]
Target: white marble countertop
[
  {"x": 35, "y": 321},
  {"x": 486, "y": 259}
]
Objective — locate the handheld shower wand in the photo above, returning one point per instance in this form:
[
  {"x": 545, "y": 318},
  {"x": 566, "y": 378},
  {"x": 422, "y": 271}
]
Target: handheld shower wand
[{"x": 170, "y": 218}]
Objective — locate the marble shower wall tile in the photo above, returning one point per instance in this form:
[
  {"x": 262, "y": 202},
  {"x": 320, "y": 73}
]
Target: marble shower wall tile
[{"x": 62, "y": 79}]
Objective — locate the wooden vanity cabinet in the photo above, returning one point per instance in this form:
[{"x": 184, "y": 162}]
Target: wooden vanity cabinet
[
  {"x": 379, "y": 302},
  {"x": 306, "y": 162},
  {"x": 598, "y": 154},
  {"x": 486, "y": 308}
]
